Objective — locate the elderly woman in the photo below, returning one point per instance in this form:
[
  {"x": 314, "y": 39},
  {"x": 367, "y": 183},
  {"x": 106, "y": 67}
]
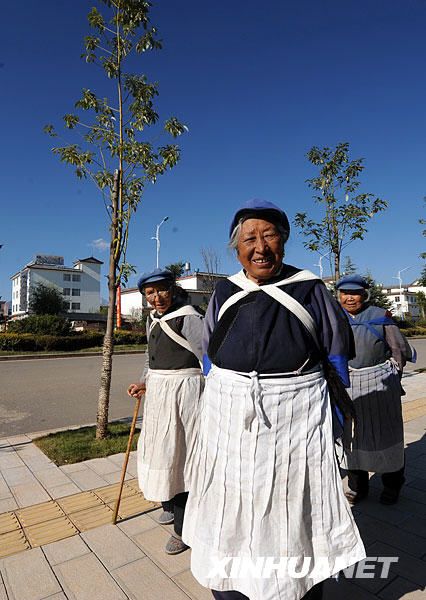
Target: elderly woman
[
  {"x": 267, "y": 487},
  {"x": 172, "y": 382},
  {"x": 375, "y": 373}
]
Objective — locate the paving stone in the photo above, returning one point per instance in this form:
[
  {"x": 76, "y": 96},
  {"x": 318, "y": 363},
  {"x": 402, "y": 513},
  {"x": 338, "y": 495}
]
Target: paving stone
[
  {"x": 61, "y": 491},
  {"x": 8, "y": 522},
  {"x": 92, "y": 517},
  {"x": 134, "y": 525},
  {"x": 74, "y": 468},
  {"x": 374, "y": 530},
  {"x": 18, "y": 475},
  {"x": 337, "y": 590},
  {"x": 17, "y": 440},
  {"x": 118, "y": 459},
  {"x": 143, "y": 580},
  {"x": 50, "y": 531},
  {"x": 2, "y": 591},
  {"x": 153, "y": 542},
  {"x": 407, "y": 566},
  {"x": 64, "y": 550},
  {"x": 28, "y": 576},
  {"x": 388, "y": 514},
  {"x": 84, "y": 578},
  {"x": 60, "y": 596},
  {"x": 415, "y": 525},
  {"x": 110, "y": 493},
  {"x": 115, "y": 477},
  {"x": 133, "y": 483},
  {"x": 79, "y": 502},
  {"x": 402, "y": 588},
  {"x": 414, "y": 494},
  {"x": 4, "y": 489},
  {"x": 113, "y": 548},
  {"x": 52, "y": 477},
  {"x": 87, "y": 479},
  {"x": 101, "y": 466},
  {"x": 133, "y": 505},
  {"x": 7, "y": 504},
  {"x": 29, "y": 494},
  {"x": 190, "y": 586},
  {"x": 418, "y": 484},
  {"x": 39, "y": 513},
  {"x": 13, "y": 542}
]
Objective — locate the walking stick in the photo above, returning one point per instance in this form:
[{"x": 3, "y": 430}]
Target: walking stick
[{"x": 126, "y": 459}]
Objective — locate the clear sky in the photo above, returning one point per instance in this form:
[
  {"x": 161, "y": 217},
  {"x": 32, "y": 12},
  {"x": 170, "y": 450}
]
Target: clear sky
[{"x": 257, "y": 84}]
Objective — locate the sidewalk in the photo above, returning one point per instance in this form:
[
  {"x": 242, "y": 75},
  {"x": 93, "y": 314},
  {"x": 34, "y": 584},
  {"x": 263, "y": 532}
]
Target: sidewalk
[{"x": 93, "y": 559}]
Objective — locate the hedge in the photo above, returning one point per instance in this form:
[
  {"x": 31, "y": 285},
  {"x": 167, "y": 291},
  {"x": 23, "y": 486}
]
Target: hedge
[{"x": 24, "y": 342}]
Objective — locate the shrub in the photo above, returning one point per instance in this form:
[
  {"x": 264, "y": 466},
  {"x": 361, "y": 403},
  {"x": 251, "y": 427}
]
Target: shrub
[
  {"x": 128, "y": 337},
  {"x": 41, "y": 324},
  {"x": 24, "y": 342}
]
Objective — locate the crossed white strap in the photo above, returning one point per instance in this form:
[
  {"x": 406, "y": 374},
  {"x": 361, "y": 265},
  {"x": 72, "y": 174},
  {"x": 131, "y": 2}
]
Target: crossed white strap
[
  {"x": 180, "y": 312},
  {"x": 272, "y": 289}
]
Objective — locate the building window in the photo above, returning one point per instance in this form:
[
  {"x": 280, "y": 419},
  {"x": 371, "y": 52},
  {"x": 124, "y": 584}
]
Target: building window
[
  {"x": 66, "y": 291},
  {"x": 396, "y": 298},
  {"x": 67, "y": 277},
  {"x": 75, "y": 305},
  {"x": 67, "y": 305},
  {"x": 76, "y": 277},
  {"x": 75, "y": 292}
]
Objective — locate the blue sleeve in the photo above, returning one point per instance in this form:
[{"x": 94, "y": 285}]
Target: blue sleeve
[{"x": 340, "y": 363}]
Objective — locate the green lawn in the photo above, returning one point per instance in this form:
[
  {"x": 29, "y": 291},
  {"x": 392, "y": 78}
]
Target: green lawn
[{"x": 76, "y": 445}]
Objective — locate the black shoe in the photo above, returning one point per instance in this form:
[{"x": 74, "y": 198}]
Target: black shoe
[
  {"x": 355, "y": 497},
  {"x": 389, "y": 496}
]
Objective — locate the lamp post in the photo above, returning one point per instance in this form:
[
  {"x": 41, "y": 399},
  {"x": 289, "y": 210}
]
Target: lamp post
[
  {"x": 400, "y": 288},
  {"x": 319, "y": 263},
  {"x": 157, "y": 239}
]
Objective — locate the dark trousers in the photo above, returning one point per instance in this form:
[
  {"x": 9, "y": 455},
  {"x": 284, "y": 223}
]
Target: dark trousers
[
  {"x": 314, "y": 593},
  {"x": 358, "y": 481},
  {"x": 177, "y": 506}
]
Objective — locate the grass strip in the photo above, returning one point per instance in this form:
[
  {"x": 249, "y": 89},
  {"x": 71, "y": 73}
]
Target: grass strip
[
  {"x": 117, "y": 348},
  {"x": 75, "y": 445}
]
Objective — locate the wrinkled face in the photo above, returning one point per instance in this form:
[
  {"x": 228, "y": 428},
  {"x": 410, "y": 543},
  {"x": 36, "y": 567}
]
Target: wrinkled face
[
  {"x": 159, "y": 295},
  {"x": 260, "y": 249},
  {"x": 352, "y": 300}
]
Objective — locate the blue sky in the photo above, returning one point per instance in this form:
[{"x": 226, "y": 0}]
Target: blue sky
[{"x": 257, "y": 84}]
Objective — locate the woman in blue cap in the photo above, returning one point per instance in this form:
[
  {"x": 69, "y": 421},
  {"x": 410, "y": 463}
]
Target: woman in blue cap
[
  {"x": 267, "y": 486},
  {"x": 172, "y": 382},
  {"x": 375, "y": 373}
]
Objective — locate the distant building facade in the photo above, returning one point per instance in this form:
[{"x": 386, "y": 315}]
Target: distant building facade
[
  {"x": 79, "y": 285},
  {"x": 199, "y": 285},
  {"x": 403, "y": 300}
]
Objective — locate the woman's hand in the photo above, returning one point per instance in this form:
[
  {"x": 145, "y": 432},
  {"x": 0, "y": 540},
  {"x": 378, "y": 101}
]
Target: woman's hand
[{"x": 136, "y": 390}]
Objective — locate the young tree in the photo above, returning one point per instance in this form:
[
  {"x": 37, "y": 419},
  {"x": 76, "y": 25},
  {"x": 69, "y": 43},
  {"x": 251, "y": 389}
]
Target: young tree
[
  {"x": 212, "y": 265},
  {"x": 114, "y": 150},
  {"x": 421, "y": 301},
  {"x": 176, "y": 268},
  {"x": 422, "y": 279},
  {"x": 348, "y": 266},
  {"x": 347, "y": 212},
  {"x": 377, "y": 295},
  {"x": 46, "y": 300}
]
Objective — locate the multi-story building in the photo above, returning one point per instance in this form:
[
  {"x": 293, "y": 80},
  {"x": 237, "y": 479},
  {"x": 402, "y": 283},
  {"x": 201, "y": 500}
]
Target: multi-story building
[
  {"x": 79, "y": 284},
  {"x": 404, "y": 300}
]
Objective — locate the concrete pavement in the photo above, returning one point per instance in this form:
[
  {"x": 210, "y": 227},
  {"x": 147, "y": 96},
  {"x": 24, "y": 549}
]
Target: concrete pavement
[{"x": 127, "y": 560}]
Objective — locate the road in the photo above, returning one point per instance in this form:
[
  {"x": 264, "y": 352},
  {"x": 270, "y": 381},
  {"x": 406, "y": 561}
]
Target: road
[{"x": 36, "y": 395}]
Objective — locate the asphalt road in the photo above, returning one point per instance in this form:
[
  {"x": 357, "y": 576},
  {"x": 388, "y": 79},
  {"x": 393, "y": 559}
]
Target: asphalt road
[{"x": 36, "y": 395}]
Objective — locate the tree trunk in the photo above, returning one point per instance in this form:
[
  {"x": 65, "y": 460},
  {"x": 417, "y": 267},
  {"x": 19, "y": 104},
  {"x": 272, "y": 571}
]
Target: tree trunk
[
  {"x": 108, "y": 345},
  {"x": 336, "y": 266}
]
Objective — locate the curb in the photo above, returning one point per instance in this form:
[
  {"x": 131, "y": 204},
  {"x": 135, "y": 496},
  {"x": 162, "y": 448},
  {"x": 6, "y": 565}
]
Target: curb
[{"x": 64, "y": 355}]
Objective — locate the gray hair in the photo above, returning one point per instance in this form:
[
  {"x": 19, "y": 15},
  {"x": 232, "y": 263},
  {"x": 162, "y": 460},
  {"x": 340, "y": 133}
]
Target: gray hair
[{"x": 235, "y": 236}]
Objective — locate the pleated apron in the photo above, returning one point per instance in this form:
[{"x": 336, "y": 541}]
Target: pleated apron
[
  {"x": 267, "y": 484},
  {"x": 378, "y": 445},
  {"x": 166, "y": 444}
]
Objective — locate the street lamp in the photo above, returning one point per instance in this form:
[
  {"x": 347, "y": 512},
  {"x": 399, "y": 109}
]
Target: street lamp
[
  {"x": 157, "y": 239},
  {"x": 319, "y": 263},
  {"x": 400, "y": 288}
]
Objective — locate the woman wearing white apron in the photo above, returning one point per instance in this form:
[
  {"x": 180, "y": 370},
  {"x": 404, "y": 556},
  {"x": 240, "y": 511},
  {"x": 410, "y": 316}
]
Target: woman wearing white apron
[
  {"x": 375, "y": 372},
  {"x": 172, "y": 383},
  {"x": 267, "y": 489}
]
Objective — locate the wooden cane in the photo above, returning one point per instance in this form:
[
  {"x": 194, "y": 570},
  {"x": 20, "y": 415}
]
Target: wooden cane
[{"x": 126, "y": 459}]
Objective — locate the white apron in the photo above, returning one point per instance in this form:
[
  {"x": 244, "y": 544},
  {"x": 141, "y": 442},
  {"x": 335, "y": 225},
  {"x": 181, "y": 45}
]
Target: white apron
[
  {"x": 166, "y": 443},
  {"x": 266, "y": 483}
]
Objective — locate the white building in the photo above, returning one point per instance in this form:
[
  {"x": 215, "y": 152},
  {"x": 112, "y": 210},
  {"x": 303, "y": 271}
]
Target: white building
[
  {"x": 199, "y": 285},
  {"x": 404, "y": 300},
  {"x": 80, "y": 285}
]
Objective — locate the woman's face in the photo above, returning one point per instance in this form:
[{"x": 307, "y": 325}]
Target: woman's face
[
  {"x": 352, "y": 300},
  {"x": 260, "y": 249},
  {"x": 159, "y": 295}
]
